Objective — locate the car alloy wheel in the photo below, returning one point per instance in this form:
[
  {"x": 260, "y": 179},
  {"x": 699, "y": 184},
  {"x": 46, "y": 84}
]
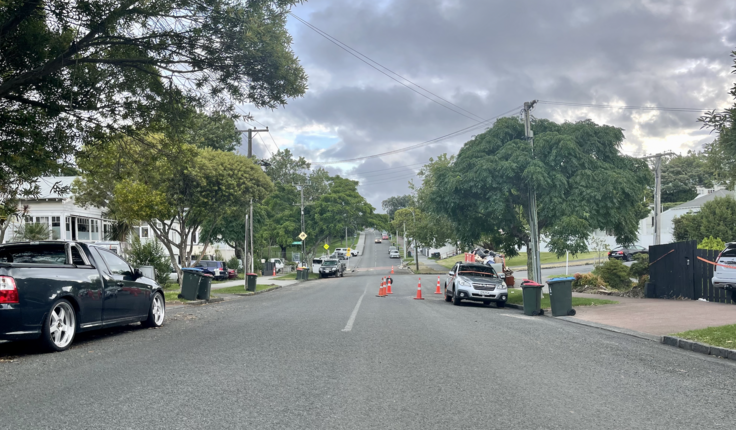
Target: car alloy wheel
[
  {"x": 61, "y": 326},
  {"x": 157, "y": 313}
]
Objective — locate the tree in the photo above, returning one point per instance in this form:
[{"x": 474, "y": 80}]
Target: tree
[
  {"x": 73, "y": 71},
  {"x": 31, "y": 231},
  {"x": 175, "y": 193},
  {"x": 582, "y": 183},
  {"x": 392, "y": 204},
  {"x": 717, "y": 218},
  {"x": 721, "y": 153},
  {"x": 150, "y": 253},
  {"x": 682, "y": 174}
]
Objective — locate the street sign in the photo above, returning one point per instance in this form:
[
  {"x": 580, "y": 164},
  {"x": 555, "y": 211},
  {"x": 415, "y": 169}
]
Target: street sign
[
  {"x": 348, "y": 252},
  {"x": 327, "y": 246},
  {"x": 302, "y": 235}
]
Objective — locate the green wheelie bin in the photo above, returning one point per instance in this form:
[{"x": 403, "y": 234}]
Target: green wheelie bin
[
  {"x": 251, "y": 278},
  {"x": 560, "y": 296},
  {"x": 532, "y": 297},
  {"x": 189, "y": 283},
  {"x": 204, "y": 287}
]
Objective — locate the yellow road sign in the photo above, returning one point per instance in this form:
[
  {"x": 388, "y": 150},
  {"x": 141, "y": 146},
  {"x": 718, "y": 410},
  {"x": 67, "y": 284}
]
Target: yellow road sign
[
  {"x": 327, "y": 246},
  {"x": 302, "y": 235},
  {"x": 348, "y": 251}
]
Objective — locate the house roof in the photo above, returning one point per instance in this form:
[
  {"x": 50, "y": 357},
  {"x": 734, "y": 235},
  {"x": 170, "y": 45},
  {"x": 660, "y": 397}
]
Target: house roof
[
  {"x": 700, "y": 201},
  {"x": 46, "y": 183}
]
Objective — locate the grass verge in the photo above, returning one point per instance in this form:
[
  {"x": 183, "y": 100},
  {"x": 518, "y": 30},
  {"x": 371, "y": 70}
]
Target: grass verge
[
  {"x": 288, "y": 276},
  {"x": 515, "y": 298},
  {"x": 723, "y": 336},
  {"x": 240, "y": 289}
]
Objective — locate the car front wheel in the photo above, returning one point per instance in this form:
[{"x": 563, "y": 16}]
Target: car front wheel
[
  {"x": 447, "y": 298},
  {"x": 456, "y": 298},
  {"x": 60, "y": 326},
  {"x": 157, "y": 312}
]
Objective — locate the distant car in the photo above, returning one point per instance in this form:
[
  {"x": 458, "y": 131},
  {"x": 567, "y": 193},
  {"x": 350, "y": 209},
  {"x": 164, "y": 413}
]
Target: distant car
[
  {"x": 279, "y": 264},
  {"x": 353, "y": 253},
  {"x": 173, "y": 276},
  {"x": 392, "y": 248},
  {"x": 725, "y": 277},
  {"x": 394, "y": 254},
  {"x": 626, "y": 253},
  {"x": 378, "y": 240},
  {"x": 384, "y": 237},
  {"x": 232, "y": 273},
  {"x": 218, "y": 269}
]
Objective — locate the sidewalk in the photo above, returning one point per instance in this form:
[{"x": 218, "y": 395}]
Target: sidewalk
[
  {"x": 262, "y": 280},
  {"x": 656, "y": 316},
  {"x": 432, "y": 264}
]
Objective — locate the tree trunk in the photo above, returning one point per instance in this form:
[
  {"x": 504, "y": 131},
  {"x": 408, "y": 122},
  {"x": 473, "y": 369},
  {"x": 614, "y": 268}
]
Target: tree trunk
[
  {"x": 529, "y": 267},
  {"x": 283, "y": 252}
]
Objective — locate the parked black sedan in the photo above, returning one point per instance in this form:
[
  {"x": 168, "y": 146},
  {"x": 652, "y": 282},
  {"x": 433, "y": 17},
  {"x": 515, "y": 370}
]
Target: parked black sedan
[{"x": 627, "y": 253}]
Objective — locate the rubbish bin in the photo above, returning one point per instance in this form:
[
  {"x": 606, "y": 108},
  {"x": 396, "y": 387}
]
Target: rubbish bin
[
  {"x": 560, "y": 296},
  {"x": 532, "y": 296},
  {"x": 190, "y": 283},
  {"x": 252, "y": 277},
  {"x": 204, "y": 287}
]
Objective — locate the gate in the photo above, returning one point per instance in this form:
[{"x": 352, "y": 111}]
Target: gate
[
  {"x": 676, "y": 272},
  {"x": 671, "y": 269}
]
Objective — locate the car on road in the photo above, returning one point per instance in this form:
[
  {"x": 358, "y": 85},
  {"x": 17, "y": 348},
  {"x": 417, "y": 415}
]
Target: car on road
[
  {"x": 53, "y": 290},
  {"x": 724, "y": 277},
  {"x": 626, "y": 253},
  {"x": 331, "y": 267},
  {"x": 384, "y": 237},
  {"x": 475, "y": 282},
  {"x": 392, "y": 248},
  {"x": 353, "y": 252},
  {"x": 394, "y": 254},
  {"x": 378, "y": 240}
]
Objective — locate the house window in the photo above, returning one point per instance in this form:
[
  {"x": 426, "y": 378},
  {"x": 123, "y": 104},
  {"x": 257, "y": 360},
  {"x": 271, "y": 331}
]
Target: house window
[
  {"x": 55, "y": 228},
  {"x": 144, "y": 232},
  {"x": 68, "y": 228},
  {"x": 106, "y": 230},
  {"x": 83, "y": 229},
  {"x": 94, "y": 229}
]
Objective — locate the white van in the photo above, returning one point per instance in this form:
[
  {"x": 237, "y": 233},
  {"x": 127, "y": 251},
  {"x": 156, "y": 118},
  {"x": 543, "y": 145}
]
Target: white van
[
  {"x": 316, "y": 264},
  {"x": 279, "y": 263}
]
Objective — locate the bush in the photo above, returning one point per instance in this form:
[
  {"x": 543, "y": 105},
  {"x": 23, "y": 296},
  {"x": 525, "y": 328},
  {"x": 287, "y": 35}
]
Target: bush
[
  {"x": 150, "y": 253},
  {"x": 31, "y": 231},
  {"x": 716, "y": 244},
  {"x": 233, "y": 263},
  {"x": 615, "y": 274},
  {"x": 642, "y": 281},
  {"x": 587, "y": 280},
  {"x": 640, "y": 267}
]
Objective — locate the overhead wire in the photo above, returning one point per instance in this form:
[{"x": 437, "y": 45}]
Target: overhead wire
[
  {"x": 355, "y": 53},
  {"x": 630, "y": 107}
]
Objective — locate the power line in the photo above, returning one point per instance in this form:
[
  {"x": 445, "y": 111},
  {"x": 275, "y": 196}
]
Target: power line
[
  {"x": 264, "y": 144},
  {"x": 358, "y": 55},
  {"x": 425, "y": 143}
]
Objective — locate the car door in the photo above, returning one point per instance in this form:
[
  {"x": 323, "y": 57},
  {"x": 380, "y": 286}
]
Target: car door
[
  {"x": 122, "y": 292},
  {"x": 451, "y": 281}
]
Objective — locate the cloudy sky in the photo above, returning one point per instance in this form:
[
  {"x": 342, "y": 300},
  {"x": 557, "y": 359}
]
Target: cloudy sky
[{"x": 485, "y": 58}]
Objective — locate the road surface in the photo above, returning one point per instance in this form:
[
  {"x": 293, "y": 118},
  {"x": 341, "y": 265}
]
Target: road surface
[{"x": 328, "y": 354}]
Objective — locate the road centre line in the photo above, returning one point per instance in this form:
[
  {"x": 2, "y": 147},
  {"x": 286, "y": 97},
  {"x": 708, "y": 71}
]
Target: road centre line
[{"x": 349, "y": 325}]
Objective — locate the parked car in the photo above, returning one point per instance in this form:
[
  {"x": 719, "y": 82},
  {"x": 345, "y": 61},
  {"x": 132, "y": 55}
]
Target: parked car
[
  {"x": 53, "y": 290},
  {"x": 218, "y": 269},
  {"x": 331, "y": 267},
  {"x": 279, "y": 264},
  {"x": 725, "y": 277},
  {"x": 392, "y": 248},
  {"x": 627, "y": 253},
  {"x": 394, "y": 254},
  {"x": 475, "y": 282},
  {"x": 232, "y": 273},
  {"x": 173, "y": 276}
]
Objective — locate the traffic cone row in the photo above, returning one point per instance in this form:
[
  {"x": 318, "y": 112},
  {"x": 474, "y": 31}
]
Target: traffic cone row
[
  {"x": 381, "y": 289},
  {"x": 385, "y": 289}
]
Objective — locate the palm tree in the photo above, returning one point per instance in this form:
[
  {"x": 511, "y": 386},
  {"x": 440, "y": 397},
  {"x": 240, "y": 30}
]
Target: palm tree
[{"x": 31, "y": 232}]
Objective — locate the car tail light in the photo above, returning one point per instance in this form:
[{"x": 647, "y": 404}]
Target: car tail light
[
  {"x": 718, "y": 259},
  {"x": 8, "y": 290}
]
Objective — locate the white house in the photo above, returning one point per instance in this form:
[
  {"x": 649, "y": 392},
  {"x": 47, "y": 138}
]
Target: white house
[{"x": 68, "y": 221}]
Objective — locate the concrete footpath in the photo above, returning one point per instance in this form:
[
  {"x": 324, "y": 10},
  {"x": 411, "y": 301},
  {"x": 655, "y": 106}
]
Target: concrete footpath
[
  {"x": 656, "y": 316},
  {"x": 262, "y": 280}
]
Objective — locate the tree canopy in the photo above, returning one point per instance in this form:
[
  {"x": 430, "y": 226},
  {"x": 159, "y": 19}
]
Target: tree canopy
[
  {"x": 722, "y": 152},
  {"x": 682, "y": 174},
  {"x": 716, "y": 218},
  {"x": 394, "y": 203},
  {"x": 72, "y": 72},
  {"x": 582, "y": 183}
]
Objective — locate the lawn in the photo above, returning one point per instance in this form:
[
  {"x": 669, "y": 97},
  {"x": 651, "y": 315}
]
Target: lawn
[
  {"x": 239, "y": 289},
  {"x": 516, "y": 299},
  {"x": 288, "y": 276},
  {"x": 723, "y": 336},
  {"x": 520, "y": 260}
]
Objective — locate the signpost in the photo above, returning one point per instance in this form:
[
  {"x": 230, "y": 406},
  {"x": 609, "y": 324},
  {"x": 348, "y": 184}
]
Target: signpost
[{"x": 326, "y": 246}]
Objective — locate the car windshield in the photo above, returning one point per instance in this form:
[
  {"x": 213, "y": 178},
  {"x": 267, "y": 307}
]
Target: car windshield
[
  {"x": 329, "y": 263},
  {"x": 484, "y": 271}
]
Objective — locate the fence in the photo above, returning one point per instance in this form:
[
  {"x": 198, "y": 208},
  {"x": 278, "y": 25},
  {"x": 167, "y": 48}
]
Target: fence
[{"x": 676, "y": 272}]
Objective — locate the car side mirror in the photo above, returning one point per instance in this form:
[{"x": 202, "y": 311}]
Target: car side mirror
[
  {"x": 137, "y": 273},
  {"x": 451, "y": 273}
]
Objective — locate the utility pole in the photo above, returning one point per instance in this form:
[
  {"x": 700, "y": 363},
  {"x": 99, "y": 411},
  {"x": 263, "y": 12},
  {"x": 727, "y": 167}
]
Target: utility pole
[
  {"x": 300, "y": 187},
  {"x": 658, "y": 193},
  {"x": 533, "y": 222},
  {"x": 404, "y": 240},
  {"x": 251, "y": 132},
  {"x": 245, "y": 254}
]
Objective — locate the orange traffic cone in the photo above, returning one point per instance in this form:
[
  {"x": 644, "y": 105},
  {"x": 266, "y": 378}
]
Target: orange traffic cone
[
  {"x": 392, "y": 270},
  {"x": 419, "y": 291},
  {"x": 438, "y": 286},
  {"x": 274, "y": 270},
  {"x": 380, "y": 290},
  {"x": 388, "y": 288}
]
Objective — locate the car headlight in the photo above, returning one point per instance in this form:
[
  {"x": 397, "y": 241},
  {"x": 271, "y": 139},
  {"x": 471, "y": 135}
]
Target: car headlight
[
  {"x": 461, "y": 282},
  {"x": 501, "y": 287}
]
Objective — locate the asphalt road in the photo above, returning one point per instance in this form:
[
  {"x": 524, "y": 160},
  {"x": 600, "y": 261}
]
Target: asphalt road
[{"x": 328, "y": 354}]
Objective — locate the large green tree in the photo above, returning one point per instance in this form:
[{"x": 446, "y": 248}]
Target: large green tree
[
  {"x": 582, "y": 183},
  {"x": 74, "y": 71},
  {"x": 394, "y": 203},
  {"x": 682, "y": 174},
  {"x": 716, "y": 218}
]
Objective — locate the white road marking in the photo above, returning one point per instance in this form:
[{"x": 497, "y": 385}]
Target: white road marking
[{"x": 349, "y": 325}]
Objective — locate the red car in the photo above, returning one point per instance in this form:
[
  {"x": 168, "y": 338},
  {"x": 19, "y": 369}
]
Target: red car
[{"x": 232, "y": 273}]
